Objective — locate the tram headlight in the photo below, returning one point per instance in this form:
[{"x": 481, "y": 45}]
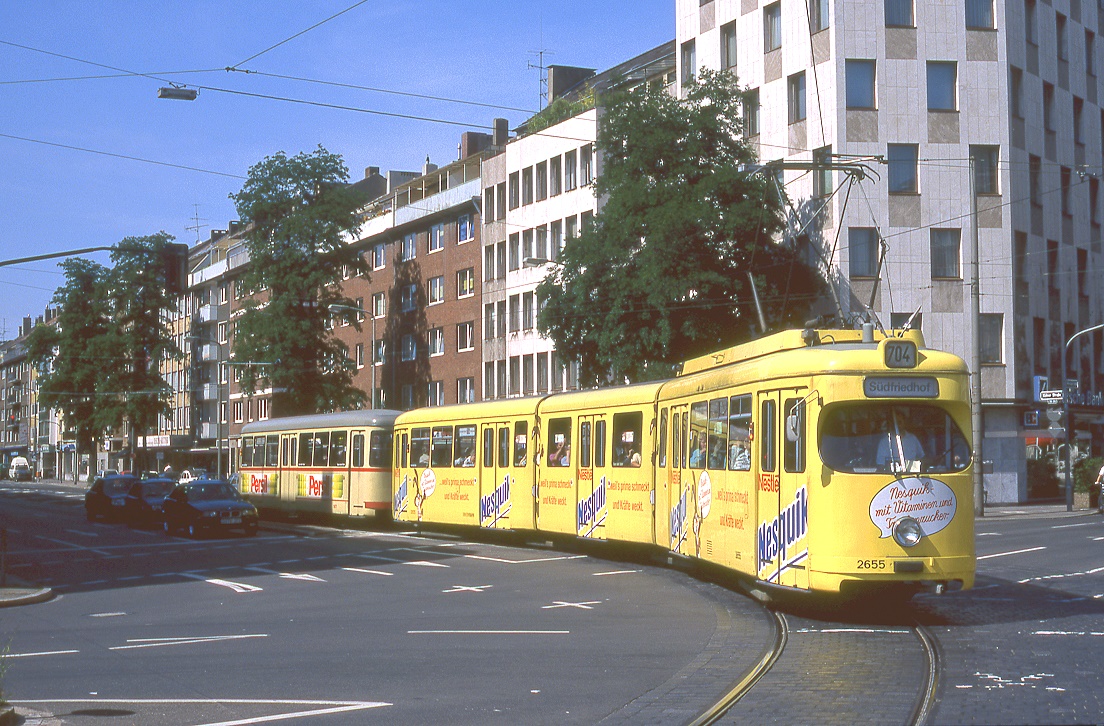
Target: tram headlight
[{"x": 907, "y": 532}]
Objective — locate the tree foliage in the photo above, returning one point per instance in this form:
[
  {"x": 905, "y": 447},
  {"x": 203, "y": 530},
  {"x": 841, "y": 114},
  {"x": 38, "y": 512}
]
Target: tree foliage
[
  {"x": 300, "y": 213},
  {"x": 661, "y": 275},
  {"x": 71, "y": 354}
]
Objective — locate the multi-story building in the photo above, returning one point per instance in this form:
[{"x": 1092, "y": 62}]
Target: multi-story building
[
  {"x": 915, "y": 90},
  {"x": 15, "y": 399},
  {"x": 538, "y": 191}
]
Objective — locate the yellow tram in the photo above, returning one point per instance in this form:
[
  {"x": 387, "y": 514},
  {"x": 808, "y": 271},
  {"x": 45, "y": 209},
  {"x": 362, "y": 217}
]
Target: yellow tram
[
  {"x": 335, "y": 463},
  {"x": 828, "y": 461}
]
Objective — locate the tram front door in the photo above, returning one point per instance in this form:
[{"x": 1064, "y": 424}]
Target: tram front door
[
  {"x": 781, "y": 488},
  {"x": 494, "y": 475}
]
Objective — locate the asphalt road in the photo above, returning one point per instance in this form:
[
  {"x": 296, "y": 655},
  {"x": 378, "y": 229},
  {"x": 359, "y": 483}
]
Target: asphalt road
[{"x": 344, "y": 626}]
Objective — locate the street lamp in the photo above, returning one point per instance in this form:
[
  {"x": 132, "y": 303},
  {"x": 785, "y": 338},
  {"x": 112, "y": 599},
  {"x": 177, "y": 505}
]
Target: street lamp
[
  {"x": 1066, "y": 415},
  {"x": 336, "y": 308}
]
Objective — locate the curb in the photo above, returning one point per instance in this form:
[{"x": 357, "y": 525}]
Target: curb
[{"x": 14, "y": 596}]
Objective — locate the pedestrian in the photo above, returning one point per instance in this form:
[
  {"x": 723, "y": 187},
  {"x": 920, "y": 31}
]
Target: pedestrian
[{"x": 1100, "y": 489}]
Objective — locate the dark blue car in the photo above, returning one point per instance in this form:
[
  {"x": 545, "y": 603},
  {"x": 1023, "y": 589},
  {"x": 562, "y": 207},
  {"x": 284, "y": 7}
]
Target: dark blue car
[
  {"x": 143, "y": 502},
  {"x": 107, "y": 496},
  {"x": 202, "y": 506}
]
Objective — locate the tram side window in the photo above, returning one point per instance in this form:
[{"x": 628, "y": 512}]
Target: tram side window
[
  {"x": 306, "y": 449},
  {"x": 273, "y": 458},
  {"x": 321, "y": 449},
  {"x": 699, "y": 438},
  {"x": 739, "y": 433},
  {"x": 600, "y": 444},
  {"x": 339, "y": 448},
  {"x": 521, "y": 443},
  {"x": 677, "y": 449},
  {"x": 793, "y": 446},
  {"x": 584, "y": 444},
  {"x": 442, "y": 446},
  {"x": 284, "y": 451},
  {"x": 627, "y": 441},
  {"x": 358, "y": 450},
  {"x": 559, "y": 442},
  {"x": 379, "y": 449},
  {"x": 401, "y": 453},
  {"x": 488, "y": 446},
  {"x": 503, "y": 447},
  {"x": 259, "y": 451},
  {"x": 464, "y": 454},
  {"x": 768, "y": 431},
  {"x": 663, "y": 437},
  {"x": 292, "y": 443},
  {"x": 718, "y": 433},
  {"x": 419, "y": 447},
  {"x": 247, "y": 451}
]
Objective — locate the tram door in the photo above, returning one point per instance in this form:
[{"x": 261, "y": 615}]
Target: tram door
[
  {"x": 590, "y": 495},
  {"x": 494, "y": 473},
  {"x": 680, "y": 479},
  {"x": 782, "y": 494},
  {"x": 283, "y": 483}
]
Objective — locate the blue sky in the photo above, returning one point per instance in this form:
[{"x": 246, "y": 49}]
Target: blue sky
[{"x": 55, "y": 199}]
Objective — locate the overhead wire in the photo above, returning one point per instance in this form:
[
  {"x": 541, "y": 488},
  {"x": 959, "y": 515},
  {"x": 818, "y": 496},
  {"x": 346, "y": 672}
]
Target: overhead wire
[{"x": 301, "y": 32}]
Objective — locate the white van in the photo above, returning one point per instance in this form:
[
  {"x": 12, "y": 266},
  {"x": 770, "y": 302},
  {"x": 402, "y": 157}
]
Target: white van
[{"x": 20, "y": 469}]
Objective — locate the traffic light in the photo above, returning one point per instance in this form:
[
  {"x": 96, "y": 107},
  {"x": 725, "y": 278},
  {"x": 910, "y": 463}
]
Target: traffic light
[{"x": 174, "y": 266}]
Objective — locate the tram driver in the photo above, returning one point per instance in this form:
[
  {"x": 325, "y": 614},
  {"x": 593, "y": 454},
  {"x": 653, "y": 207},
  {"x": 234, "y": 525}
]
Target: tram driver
[{"x": 898, "y": 448}]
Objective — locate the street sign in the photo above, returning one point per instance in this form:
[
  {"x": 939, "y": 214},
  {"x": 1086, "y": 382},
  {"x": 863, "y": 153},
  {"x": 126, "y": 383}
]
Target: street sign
[
  {"x": 1054, "y": 415},
  {"x": 1050, "y": 395}
]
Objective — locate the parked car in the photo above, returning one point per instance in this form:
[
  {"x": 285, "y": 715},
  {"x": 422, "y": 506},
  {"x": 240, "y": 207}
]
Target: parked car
[
  {"x": 106, "y": 472},
  {"x": 207, "y": 505},
  {"x": 20, "y": 469},
  {"x": 192, "y": 473},
  {"x": 107, "y": 496},
  {"x": 143, "y": 501}
]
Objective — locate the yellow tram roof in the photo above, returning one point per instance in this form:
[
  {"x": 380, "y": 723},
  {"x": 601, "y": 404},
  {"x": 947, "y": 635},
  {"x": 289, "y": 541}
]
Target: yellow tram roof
[
  {"x": 601, "y": 399},
  {"x": 502, "y": 409}
]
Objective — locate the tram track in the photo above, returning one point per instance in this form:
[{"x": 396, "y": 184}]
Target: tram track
[{"x": 818, "y": 671}]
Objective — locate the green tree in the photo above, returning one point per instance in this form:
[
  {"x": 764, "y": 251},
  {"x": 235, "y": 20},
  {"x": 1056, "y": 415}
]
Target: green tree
[
  {"x": 661, "y": 275},
  {"x": 300, "y": 211},
  {"x": 72, "y": 354},
  {"x": 134, "y": 390}
]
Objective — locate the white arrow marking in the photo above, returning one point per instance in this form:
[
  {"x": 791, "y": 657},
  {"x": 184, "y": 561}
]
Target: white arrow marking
[
  {"x": 581, "y": 605},
  {"x": 235, "y": 586},
  {"x": 525, "y": 562},
  {"x": 287, "y": 575},
  {"x": 424, "y": 563}
]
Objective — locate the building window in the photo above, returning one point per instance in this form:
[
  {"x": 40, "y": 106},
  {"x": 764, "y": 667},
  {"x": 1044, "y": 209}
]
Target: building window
[
  {"x": 527, "y": 185},
  {"x": 979, "y": 14},
  {"x": 1015, "y": 91},
  {"x": 465, "y": 283},
  {"x": 818, "y": 15},
  {"x": 515, "y": 190},
  {"x": 239, "y": 411},
  {"x": 796, "y": 94},
  {"x": 489, "y": 203},
  {"x": 409, "y": 347},
  {"x": 409, "y": 297},
  {"x": 1078, "y": 121},
  {"x": 942, "y": 86},
  {"x": 860, "y": 83},
  {"x": 360, "y": 355},
  {"x": 515, "y": 251},
  {"x": 526, "y": 245},
  {"x": 500, "y": 314},
  {"x": 1094, "y": 200},
  {"x": 751, "y": 113},
  {"x": 465, "y": 336},
  {"x": 465, "y": 390},
  {"x": 379, "y": 305},
  {"x": 529, "y": 305},
  {"x": 946, "y": 246},
  {"x": 464, "y": 229},
  {"x": 500, "y": 201},
  {"x": 379, "y": 256},
  {"x": 1048, "y": 106},
  {"x": 902, "y": 168},
  {"x": 571, "y": 227},
  {"x": 409, "y": 246},
  {"x": 490, "y": 324},
  {"x": 379, "y": 351},
  {"x": 862, "y": 243},
  {"x": 1066, "y": 179},
  {"x": 772, "y": 27},
  {"x": 1034, "y": 174},
  {"x": 1030, "y": 30},
  {"x": 437, "y": 238},
  {"x": 898, "y": 14},
  {"x": 555, "y": 181},
  {"x": 728, "y": 45},
  {"x": 991, "y": 334},
  {"x": 407, "y": 396},
  {"x": 542, "y": 181},
  {"x": 569, "y": 170},
  {"x": 515, "y": 314},
  {"x": 436, "y": 342},
  {"x": 689, "y": 62},
  {"x": 822, "y": 176},
  {"x": 586, "y": 165},
  {"x": 985, "y": 169},
  {"x": 1090, "y": 53},
  {"x": 1062, "y": 37},
  {"x": 436, "y": 290},
  {"x": 556, "y": 239}
]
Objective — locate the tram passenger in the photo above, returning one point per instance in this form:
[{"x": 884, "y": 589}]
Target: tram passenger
[
  {"x": 560, "y": 456},
  {"x": 739, "y": 458},
  {"x": 700, "y": 450},
  {"x": 633, "y": 458}
]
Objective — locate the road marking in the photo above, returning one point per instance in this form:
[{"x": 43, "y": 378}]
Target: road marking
[
  {"x": 466, "y": 588},
  {"x": 1067, "y": 526},
  {"x": 426, "y": 563},
  {"x": 71, "y": 545},
  {"x": 616, "y": 572},
  {"x": 330, "y": 706},
  {"x": 488, "y": 632},
  {"x": 1059, "y": 577},
  {"x": 83, "y": 534},
  {"x": 105, "y": 615},
  {"x": 286, "y": 575},
  {"x": 47, "y": 652},
  {"x": 1014, "y": 552},
  {"x": 158, "y": 642},
  {"x": 235, "y": 586},
  {"x": 1097, "y": 539},
  {"x": 894, "y": 631},
  {"x": 131, "y": 577},
  {"x": 581, "y": 605},
  {"x": 989, "y": 534},
  {"x": 367, "y": 572},
  {"x": 525, "y": 562},
  {"x": 1068, "y": 632}
]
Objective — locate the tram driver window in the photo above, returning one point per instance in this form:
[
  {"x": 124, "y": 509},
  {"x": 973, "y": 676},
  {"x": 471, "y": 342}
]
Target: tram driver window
[
  {"x": 869, "y": 438},
  {"x": 521, "y": 443},
  {"x": 559, "y": 442},
  {"x": 627, "y": 438}
]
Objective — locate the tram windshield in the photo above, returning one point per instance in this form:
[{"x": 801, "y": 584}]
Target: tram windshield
[{"x": 869, "y": 438}]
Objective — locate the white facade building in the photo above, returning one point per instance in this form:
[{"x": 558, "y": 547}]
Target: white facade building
[{"x": 917, "y": 89}]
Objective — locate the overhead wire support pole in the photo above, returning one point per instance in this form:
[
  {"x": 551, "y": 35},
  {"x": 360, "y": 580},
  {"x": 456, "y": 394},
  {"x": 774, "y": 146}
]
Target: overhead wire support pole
[
  {"x": 975, "y": 348},
  {"x": 54, "y": 255}
]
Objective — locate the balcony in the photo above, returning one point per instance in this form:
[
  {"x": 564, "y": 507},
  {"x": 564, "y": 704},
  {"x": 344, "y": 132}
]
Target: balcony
[
  {"x": 208, "y": 352},
  {"x": 208, "y": 392},
  {"x": 208, "y": 314},
  {"x": 208, "y": 430}
]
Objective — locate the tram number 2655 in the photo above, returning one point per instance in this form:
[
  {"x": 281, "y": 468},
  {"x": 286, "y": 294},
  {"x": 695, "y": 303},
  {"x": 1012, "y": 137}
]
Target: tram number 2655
[{"x": 871, "y": 564}]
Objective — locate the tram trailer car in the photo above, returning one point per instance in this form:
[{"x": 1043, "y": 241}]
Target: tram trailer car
[
  {"x": 335, "y": 463},
  {"x": 830, "y": 461}
]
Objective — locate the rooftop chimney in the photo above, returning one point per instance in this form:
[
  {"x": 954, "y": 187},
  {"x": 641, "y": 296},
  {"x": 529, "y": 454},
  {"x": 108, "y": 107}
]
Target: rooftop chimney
[{"x": 501, "y": 132}]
